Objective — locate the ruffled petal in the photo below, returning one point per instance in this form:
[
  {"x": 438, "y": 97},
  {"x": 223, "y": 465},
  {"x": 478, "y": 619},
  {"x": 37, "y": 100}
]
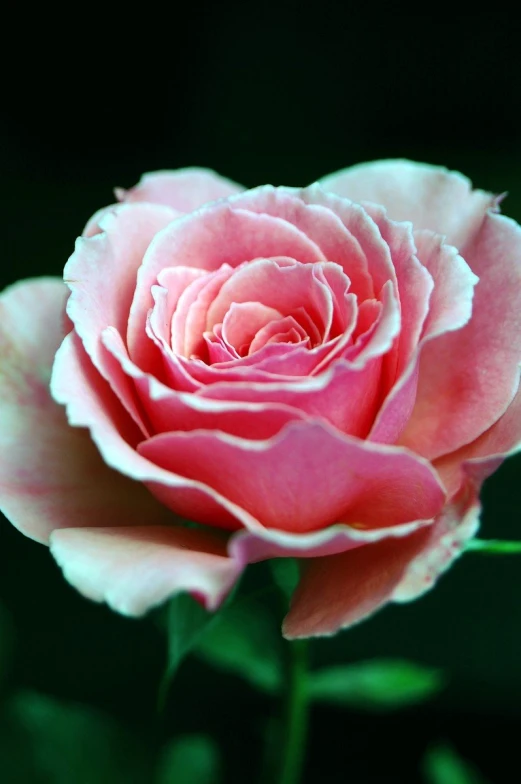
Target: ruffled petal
[
  {"x": 468, "y": 378},
  {"x": 208, "y": 239},
  {"x": 101, "y": 275},
  {"x": 134, "y": 569},
  {"x": 306, "y": 478},
  {"x": 431, "y": 197},
  {"x": 183, "y": 189},
  {"x": 338, "y": 591},
  {"x": 51, "y": 475}
]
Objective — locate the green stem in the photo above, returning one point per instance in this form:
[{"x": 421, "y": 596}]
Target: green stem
[
  {"x": 494, "y": 546},
  {"x": 297, "y": 710}
]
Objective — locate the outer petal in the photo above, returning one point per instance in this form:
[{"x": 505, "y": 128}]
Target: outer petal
[
  {"x": 101, "y": 274},
  {"x": 468, "y": 378},
  {"x": 431, "y": 197},
  {"x": 480, "y": 459},
  {"x": 95, "y": 223},
  {"x": 134, "y": 569},
  {"x": 450, "y": 308},
  {"x": 51, "y": 475},
  {"x": 76, "y": 384},
  {"x": 339, "y": 590},
  {"x": 183, "y": 189},
  {"x": 334, "y": 479}
]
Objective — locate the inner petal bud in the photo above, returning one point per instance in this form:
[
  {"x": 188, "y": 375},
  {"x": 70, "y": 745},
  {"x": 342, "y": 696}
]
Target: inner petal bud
[{"x": 242, "y": 322}]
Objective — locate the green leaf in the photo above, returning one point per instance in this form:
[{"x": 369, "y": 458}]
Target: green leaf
[
  {"x": 186, "y": 622},
  {"x": 442, "y": 765},
  {"x": 190, "y": 759},
  {"x": 244, "y": 641},
  {"x": 379, "y": 684},
  {"x": 493, "y": 547},
  {"x": 65, "y": 742},
  {"x": 285, "y": 574}
]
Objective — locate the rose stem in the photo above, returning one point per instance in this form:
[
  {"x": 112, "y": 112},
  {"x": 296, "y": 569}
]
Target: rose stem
[
  {"x": 493, "y": 546},
  {"x": 297, "y": 709}
]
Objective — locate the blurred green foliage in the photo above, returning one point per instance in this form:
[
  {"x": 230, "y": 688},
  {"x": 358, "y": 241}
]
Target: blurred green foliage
[
  {"x": 443, "y": 765},
  {"x": 378, "y": 684}
]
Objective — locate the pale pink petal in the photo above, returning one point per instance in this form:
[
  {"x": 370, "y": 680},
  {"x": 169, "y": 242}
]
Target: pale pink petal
[
  {"x": 95, "y": 223},
  {"x": 445, "y": 542},
  {"x": 414, "y": 286},
  {"x": 101, "y": 275},
  {"x": 207, "y": 239},
  {"x": 312, "y": 214},
  {"x": 431, "y": 197},
  {"x": 335, "y": 479},
  {"x": 338, "y": 591},
  {"x": 317, "y": 396},
  {"x": 264, "y": 543},
  {"x": 172, "y": 285},
  {"x": 275, "y": 364},
  {"x": 183, "y": 189},
  {"x": 134, "y": 569},
  {"x": 285, "y": 330},
  {"x": 190, "y": 318},
  {"x": 51, "y": 475},
  {"x": 482, "y": 457},
  {"x": 77, "y": 385},
  {"x": 359, "y": 224},
  {"x": 169, "y": 410},
  {"x": 468, "y": 378},
  {"x": 242, "y": 322},
  {"x": 450, "y": 308},
  {"x": 343, "y": 231},
  {"x": 282, "y": 288},
  {"x": 215, "y": 349}
]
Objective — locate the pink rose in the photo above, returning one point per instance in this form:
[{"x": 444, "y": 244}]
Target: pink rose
[{"x": 328, "y": 373}]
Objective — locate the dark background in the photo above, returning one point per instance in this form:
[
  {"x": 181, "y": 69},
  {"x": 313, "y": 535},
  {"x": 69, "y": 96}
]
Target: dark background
[{"x": 284, "y": 96}]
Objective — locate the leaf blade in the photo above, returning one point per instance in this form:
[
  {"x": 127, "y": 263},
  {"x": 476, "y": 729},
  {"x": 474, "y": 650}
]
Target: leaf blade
[{"x": 377, "y": 684}]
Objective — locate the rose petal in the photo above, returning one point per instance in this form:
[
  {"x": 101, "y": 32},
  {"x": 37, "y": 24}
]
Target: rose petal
[
  {"x": 95, "y": 223},
  {"x": 253, "y": 546},
  {"x": 482, "y": 457},
  {"x": 208, "y": 239},
  {"x": 335, "y": 479},
  {"x": 90, "y": 403},
  {"x": 431, "y": 197},
  {"x": 450, "y": 308},
  {"x": 134, "y": 569},
  {"x": 338, "y": 591},
  {"x": 468, "y": 378},
  {"x": 101, "y": 275},
  {"x": 173, "y": 283},
  {"x": 414, "y": 287},
  {"x": 242, "y": 322},
  {"x": 283, "y": 288},
  {"x": 445, "y": 541},
  {"x": 183, "y": 189},
  {"x": 51, "y": 475},
  {"x": 168, "y": 410},
  {"x": 313, "y": 214}
]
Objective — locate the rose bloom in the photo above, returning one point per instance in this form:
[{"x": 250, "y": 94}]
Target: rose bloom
[{"x": 327, "y": 373}]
